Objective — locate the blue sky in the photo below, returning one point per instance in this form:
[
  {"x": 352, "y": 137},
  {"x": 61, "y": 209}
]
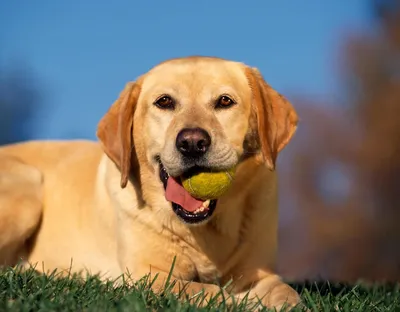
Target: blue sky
[{"x": 83, "y": 52}]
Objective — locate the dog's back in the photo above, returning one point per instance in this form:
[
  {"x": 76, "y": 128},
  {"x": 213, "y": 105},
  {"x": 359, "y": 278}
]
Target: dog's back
[{"x": 36, "y": 180}]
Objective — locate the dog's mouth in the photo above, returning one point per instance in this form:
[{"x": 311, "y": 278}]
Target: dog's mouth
[{"x": 189, "y": 209}]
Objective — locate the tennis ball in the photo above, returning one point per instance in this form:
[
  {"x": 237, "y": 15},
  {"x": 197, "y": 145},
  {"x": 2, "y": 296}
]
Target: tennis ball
[{"x": 208, "y": 185}]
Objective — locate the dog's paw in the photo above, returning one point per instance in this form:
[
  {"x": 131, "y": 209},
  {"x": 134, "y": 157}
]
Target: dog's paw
[
  {"x": 285, "y": 301},
  {"x": 282, "y": 300}
]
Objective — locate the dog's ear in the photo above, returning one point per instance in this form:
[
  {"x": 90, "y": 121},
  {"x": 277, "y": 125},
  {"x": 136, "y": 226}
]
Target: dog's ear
[
  {"x": 115, "y": 130},
  {"x": 276, "y": 118}
]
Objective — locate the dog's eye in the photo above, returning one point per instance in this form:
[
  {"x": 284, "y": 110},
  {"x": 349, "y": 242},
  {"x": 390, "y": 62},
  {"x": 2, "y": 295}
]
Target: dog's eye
[
  {"x": 224, "y": 102},
  {"x": 165, "y": 102}
]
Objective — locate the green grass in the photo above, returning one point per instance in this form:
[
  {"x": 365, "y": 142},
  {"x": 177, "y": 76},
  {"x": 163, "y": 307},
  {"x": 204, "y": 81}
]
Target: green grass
[{"x": 30, "y": 291}]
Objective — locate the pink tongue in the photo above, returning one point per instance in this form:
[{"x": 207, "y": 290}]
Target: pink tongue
[{"x": 177, "y": 194}]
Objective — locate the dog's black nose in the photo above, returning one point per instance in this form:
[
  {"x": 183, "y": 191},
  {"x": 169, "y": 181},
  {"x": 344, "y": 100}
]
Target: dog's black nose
[{"x": 193, "y": 142}]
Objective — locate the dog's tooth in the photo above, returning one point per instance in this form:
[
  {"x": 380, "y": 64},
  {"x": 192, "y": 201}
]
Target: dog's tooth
[
  {"x": 206, "y": 204},
  {"x": 198, "y": 210}
]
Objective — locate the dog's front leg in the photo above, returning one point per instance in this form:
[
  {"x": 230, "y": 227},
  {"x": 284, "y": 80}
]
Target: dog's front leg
[{"x": 161, "y": 281}]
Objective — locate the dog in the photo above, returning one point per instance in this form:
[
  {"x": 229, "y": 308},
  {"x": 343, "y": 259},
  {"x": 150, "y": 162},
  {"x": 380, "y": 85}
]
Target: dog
[{"x": 101, "y": 207}]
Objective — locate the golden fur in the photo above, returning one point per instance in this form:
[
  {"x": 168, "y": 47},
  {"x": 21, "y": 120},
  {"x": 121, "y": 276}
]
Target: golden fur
[{"x": 103, "y": 205}]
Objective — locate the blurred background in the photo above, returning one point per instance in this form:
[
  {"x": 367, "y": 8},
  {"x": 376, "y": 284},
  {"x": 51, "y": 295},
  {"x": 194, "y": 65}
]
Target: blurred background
[{"x": 62, "y": 64}]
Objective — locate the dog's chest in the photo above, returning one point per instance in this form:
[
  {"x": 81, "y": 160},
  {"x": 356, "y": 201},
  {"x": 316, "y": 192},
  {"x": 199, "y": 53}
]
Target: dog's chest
[
  {"x": 212, "y": 262},
  {"x": 207, "y": 270},
  {"x": 211, "y": 255}
]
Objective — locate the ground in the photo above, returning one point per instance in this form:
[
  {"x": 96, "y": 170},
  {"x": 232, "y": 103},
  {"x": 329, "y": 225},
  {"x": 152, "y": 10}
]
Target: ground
[{"x": 30, "y": 291}]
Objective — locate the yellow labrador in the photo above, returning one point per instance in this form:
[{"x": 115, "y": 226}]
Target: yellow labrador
[{"x": 104, "y": 205}]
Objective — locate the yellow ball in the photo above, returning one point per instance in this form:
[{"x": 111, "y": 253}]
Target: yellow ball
[{"x": 208, "y": 185}]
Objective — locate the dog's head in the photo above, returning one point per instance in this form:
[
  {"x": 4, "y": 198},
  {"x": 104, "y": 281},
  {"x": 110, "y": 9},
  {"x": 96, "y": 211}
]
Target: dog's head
[{"x": 195, "y": 112}]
